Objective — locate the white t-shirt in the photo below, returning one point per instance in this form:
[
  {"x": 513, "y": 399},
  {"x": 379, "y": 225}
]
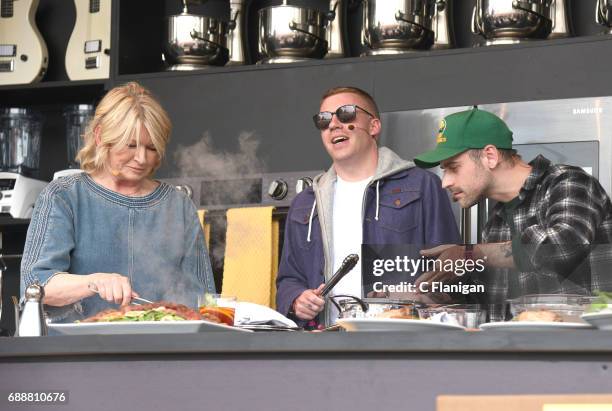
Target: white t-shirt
[{"x": 347, "y": 233}]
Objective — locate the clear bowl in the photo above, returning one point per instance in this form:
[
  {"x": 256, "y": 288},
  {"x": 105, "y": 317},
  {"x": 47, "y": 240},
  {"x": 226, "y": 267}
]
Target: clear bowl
[
  {"x": 466, "y": 315},
  {"x": 568, "y": 306}
]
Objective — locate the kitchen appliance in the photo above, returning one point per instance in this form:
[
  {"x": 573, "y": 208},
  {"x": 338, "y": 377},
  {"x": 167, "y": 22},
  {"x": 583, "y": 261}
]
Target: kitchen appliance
[
  {"x": 403, "y": 26},
  {"x": 217, "y": 195},
  {"x": 561, "y": 20},
  {"x": 513, "y": 21},
  {"x": 289, "y": 34},
  {"x": 443, "y": 26},
  {"x": 23, "y": 52},
  {"x": 194, "y": 42},
  {"x": 571, "y": 131},
  {"x": 88, "y": 50},
  {"x": 20, "y": 150},
  {"x": 237, "y": 36},
  {"x": 77, "y": 118},
  {"x": 603, "y": 15},
  {"x": 336, "y": 32},
  {"x": 18, "y": 194},
  {"x": 20, "y": 131}
]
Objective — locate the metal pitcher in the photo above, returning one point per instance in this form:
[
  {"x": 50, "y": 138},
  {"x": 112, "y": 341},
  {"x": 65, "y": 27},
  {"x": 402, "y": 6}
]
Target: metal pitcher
[
  {"x": 512, "y": 21},
  {"x": 400, "y": 26},
  {"x": 336, "y": 30},
  {"x": 603, "y": 15},
  {"x": 289, "y": 33}
]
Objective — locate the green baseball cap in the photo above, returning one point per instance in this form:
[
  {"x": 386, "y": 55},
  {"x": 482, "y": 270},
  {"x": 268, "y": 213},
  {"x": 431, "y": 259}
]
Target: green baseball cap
[{"x": 465, "y": 130}]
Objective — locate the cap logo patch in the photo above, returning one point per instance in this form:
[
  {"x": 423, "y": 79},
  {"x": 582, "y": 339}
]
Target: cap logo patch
[{"x": 440, "y": 138}]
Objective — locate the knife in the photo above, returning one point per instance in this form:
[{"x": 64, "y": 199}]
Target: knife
[{"x": 347, "y": 265}]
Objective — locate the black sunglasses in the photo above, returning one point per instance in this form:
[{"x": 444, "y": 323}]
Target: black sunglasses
[{"x": 345, "y": 114}]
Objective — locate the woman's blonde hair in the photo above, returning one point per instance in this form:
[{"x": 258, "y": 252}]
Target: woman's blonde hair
[{"x": 119, "y": 118}]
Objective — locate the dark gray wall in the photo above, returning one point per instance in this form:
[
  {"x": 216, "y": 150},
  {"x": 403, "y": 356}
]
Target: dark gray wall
[{"x": 276, "y": 103}]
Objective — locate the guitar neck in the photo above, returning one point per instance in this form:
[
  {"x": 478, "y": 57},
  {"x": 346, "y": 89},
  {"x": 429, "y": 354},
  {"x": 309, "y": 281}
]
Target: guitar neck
[
  {"x": 6, "y": 8},
  {"x": 94, "y": 6}
]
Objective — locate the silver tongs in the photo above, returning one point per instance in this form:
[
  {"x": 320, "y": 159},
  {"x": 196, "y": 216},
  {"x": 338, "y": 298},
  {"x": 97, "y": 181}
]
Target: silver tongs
[
  {"x": 134, "y": 300},
  {"x": 347, "y": 265}
]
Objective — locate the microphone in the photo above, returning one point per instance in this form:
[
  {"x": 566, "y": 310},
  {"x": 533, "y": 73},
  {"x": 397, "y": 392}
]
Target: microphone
[
  {"x": 115, "y": 171},
  {"x": 351, "y": 127}
]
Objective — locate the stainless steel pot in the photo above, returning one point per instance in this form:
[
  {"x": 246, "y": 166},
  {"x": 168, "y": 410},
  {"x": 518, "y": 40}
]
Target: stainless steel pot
[
  {"x": 193, "y": 42},
  {"x": 289, "y": 34},
  {"x": 399, "y": 26},
  {"x": 352, "y": 307},
  {"x": 603, "y": 14},
  {"x": 512, "y": 21}
]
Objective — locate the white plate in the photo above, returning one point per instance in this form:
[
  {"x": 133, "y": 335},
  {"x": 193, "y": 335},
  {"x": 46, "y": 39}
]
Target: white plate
[
  {"x": 393, "y": 324},
  {"x": 533, "y": 326},
  {"x": 601, "y": 320},
  {"x": 142, "y": 327}
]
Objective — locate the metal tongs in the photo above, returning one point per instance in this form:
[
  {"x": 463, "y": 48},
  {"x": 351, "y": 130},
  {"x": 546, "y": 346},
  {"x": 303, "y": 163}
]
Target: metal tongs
[
  {"x": 347, "y": 265},
  {"x": 133, "y": 301}
]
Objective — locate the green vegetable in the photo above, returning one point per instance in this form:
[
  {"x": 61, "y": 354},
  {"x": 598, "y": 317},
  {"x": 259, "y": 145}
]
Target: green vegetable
[{"x": 602, "y": 302}]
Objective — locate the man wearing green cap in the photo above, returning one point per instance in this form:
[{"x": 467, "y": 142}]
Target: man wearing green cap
[{"x": 552, "y": 224}]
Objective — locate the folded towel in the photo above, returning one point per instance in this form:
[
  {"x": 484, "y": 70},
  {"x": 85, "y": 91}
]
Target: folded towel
[{"x": 251, "y": 255}]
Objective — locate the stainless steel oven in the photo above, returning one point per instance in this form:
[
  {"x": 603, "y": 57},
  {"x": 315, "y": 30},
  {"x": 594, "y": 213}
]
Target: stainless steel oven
[
  {"x": 217, "y": 195},
  {"x": 571, "y": 131}
]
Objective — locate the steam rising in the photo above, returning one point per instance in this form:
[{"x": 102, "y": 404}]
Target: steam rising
[{"x": 202, "y": 160}]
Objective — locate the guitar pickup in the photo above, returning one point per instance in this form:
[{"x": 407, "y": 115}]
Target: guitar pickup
[
  {"x": 8, "y": 50},
  {"x": 92, "y": 62},
  {"x": 93, "y": 46},
  {"x": 7, "y": 66}
]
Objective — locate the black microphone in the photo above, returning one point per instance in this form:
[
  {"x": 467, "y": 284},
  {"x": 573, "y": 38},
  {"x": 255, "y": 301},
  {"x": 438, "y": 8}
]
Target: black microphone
[{"x": 351, "y": 127}]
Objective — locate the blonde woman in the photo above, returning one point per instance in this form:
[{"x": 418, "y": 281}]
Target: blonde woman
[{"x": 113, "y": 228}]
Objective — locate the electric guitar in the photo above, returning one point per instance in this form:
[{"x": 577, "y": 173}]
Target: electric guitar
[
  {"x": 88, "y": 52},
  {"x": 23, "y": 52}
]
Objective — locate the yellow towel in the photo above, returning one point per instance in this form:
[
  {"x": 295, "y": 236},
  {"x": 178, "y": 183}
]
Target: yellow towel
[
  {"x": 205, "y": 227},
  {"x": 251, "y": 255}
]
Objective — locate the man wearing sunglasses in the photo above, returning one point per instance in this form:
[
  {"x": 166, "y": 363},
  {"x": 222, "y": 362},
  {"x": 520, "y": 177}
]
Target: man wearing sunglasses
[{"x": 369, "y": 195}]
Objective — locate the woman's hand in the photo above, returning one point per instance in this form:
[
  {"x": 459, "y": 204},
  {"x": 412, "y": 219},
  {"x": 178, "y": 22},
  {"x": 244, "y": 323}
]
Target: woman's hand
[{"x": 112, "y": 287}]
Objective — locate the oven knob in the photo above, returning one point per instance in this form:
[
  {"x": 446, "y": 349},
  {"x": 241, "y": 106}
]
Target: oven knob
[
  {"x": 278, "y": 189},
  {"x": 302, "y": 184},
  {"x": 184, "y": 188}
]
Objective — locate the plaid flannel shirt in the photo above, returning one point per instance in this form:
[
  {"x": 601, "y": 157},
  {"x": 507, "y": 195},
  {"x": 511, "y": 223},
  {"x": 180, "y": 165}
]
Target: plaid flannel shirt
[{"x": 561, "y": 236}]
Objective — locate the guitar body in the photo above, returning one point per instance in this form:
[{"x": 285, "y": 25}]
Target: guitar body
[
  {"x": 23, "y": 52},
  {"x": 88, "y": 52}
]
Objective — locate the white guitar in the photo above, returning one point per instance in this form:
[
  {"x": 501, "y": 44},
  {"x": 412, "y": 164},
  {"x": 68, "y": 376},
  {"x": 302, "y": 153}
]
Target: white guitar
[
  {"x": 23, "y": 52},
  {"x": 88, "y": 52}
]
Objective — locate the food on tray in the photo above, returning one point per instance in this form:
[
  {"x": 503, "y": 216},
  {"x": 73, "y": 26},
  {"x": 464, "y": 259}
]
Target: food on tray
[
  {"x": 160, "y": 311},
  {"x": 539, "y": 315},
  {"x": 223, "y": 315},
  {"x": 603, "y": 302},
  {"x": 403, "y": 312}
]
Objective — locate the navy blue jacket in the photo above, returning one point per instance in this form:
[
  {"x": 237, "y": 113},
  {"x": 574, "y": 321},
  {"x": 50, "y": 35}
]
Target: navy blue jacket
[{"x": 413, "y": 209}]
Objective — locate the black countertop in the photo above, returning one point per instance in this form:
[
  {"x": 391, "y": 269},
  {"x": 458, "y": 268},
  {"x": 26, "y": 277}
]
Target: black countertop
[{"x": 304, "y": 343}]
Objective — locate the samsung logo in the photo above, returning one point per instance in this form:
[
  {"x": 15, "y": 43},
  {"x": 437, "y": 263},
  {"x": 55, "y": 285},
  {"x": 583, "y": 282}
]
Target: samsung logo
[{"x": 587, "y": 110}]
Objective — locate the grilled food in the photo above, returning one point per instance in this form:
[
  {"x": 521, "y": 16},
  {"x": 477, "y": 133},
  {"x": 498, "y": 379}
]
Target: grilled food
[
  {"x": 403, "y": 313},
  {"x": 539, "y": 315},
  {"x": 160, "y": 311}
]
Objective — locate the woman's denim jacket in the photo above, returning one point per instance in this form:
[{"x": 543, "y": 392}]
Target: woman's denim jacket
[{"x": 156, "y": 241}]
